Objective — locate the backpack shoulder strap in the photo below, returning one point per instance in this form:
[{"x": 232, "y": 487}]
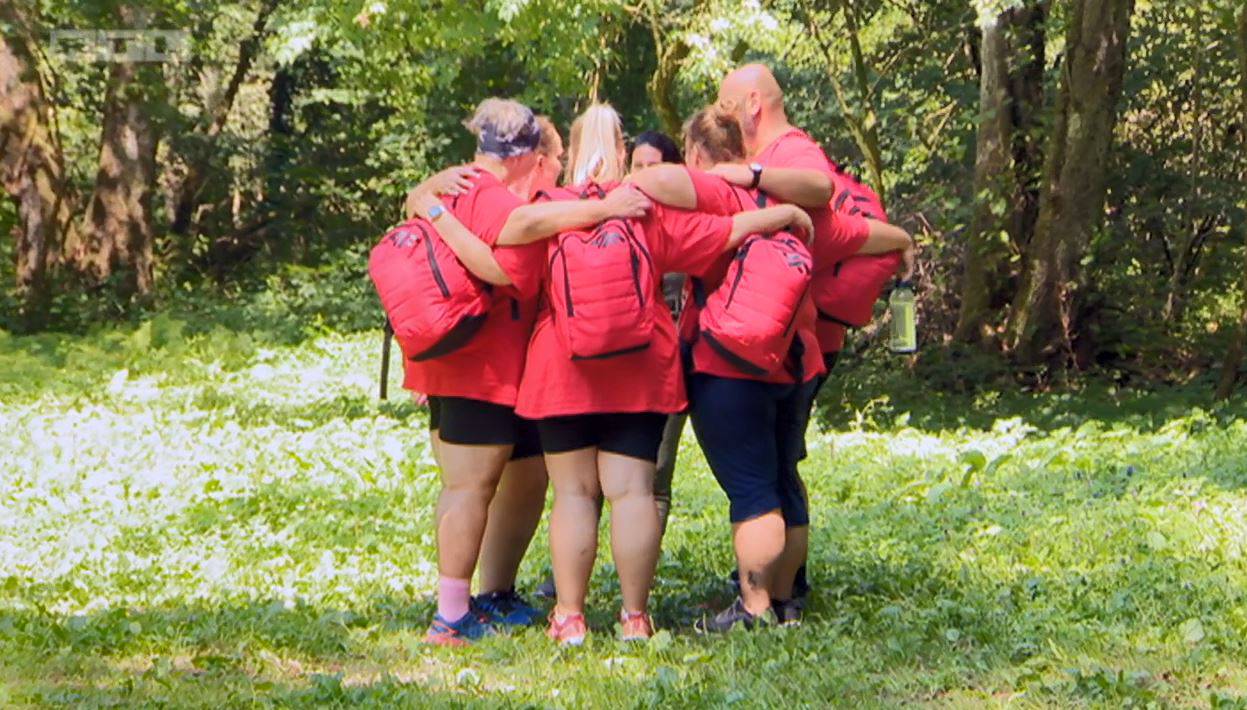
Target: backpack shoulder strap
[{"x": 592, "y": 191}]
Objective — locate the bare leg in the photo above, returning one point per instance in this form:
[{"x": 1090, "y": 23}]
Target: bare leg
[
  {"x": 796, "y": 547},
  {"x": 668, "y": 451},
  {"x": 636, "y": 533},
  {"x": 469, "y": 478},
  {"x": 573, "y": 525},
  {"x": 513, "y": 518},
  {"x": 759, "y": 544}
]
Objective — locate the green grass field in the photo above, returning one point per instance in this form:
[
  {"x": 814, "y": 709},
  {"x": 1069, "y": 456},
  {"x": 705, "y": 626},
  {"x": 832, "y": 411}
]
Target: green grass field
[{"x": 197, "y": 516}]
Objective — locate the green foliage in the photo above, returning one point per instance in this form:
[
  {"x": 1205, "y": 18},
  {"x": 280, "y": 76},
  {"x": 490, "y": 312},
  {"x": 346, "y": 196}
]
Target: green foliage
[
  {"x": 348, "y": 104},
  {"x": 202, "y": 511}
]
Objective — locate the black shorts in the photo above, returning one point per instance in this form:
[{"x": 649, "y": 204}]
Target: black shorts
[
  {"x": 753, "y": 435},
  {"x": 471, "y": 422},
  {"x": 629, "y": 434}
]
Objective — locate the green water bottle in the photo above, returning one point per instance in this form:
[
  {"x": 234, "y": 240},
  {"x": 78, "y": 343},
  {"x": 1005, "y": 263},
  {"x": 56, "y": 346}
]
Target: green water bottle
[{"x": 904, "y": 321}]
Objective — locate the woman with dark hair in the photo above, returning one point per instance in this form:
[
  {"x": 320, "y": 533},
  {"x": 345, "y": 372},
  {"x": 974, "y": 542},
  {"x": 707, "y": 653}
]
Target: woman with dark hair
[
  {"x": 472, "y": 391},
  {"x": 652, "y": 148},
  {"x": 752, "y": 426},
  {"x": 648, "y": 149}
]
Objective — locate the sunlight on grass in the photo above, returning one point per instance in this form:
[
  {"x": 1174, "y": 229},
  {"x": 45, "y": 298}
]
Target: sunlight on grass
[{"x": 220, "y": 520}]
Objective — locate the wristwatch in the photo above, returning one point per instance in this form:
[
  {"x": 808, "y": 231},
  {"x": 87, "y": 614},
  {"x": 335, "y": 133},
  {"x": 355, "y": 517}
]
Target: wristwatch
[
  {"x": 436, "y": 211},
  {"x": 756, "y": 169}
]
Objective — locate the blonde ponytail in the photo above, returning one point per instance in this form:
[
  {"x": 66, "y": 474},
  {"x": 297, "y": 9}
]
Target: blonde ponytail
[{"x": 597, "y": 146}]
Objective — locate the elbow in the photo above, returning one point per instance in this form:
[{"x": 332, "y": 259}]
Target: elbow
[
  {"x": 669, "y": 184},
  {"x": 821, "y": 192}
]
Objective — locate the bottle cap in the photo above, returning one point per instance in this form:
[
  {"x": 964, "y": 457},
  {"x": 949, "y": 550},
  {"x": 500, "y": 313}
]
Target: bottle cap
[{"x": 905, "y": 283}]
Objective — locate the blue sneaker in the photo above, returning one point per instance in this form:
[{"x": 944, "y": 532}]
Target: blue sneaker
[
  {"x": 472, "y": 627},
  {"x": 507, "y": 607}
]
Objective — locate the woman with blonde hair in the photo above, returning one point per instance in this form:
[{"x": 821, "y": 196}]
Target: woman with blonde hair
[
  {"x": 472, "y": 391},
  {"x": 601, "y": 419},
  {"x": 596, "y": 150}
]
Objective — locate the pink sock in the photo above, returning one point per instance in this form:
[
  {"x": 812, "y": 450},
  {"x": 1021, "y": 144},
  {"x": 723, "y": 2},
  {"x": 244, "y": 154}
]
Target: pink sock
[{"x": 452, "y": 598}]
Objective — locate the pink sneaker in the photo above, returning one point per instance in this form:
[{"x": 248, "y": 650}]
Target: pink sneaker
[
  {"x": 568, "y": 630},
  {"x": 635, "y": 626}
]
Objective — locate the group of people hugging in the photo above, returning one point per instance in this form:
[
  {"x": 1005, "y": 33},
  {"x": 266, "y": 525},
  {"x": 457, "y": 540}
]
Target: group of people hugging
[{"x": 518, "y": 406}]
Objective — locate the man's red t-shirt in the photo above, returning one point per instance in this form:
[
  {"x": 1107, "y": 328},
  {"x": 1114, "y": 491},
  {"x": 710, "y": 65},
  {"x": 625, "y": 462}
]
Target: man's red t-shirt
[
  {"x": 489, "y": 367},
  {"x": 650, "y": 380},
  {"x": 837, "y": 236},
  {"x": 717, "y": 196}
]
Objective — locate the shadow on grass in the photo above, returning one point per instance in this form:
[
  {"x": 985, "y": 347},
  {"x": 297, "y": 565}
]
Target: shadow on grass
[{"x": 874, "y": 392}]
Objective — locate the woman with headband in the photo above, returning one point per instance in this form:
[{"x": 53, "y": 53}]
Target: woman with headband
[
  {"x": 601, "y": 420},
  {"x": 472, "y": 391}
]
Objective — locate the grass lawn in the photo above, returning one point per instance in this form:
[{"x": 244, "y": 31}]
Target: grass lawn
[{"x": 212, "y": 517}]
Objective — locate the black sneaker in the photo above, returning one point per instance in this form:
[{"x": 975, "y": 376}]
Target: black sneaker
[
  {"x": 734, "y": 615},
  {"x": 788, "y": 613}
]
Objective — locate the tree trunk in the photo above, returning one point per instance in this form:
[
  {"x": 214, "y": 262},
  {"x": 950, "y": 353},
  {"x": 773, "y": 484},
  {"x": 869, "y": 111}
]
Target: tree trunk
[
  {"x": 1008, "y": 161},
  {"x": 32, "y": 171},
  {"x": 993, "y": 169},
  {"x": 868, "y": 133},
  {"x": 1188, "y": 247},
  {"x": 1234, "y": 358},
  {"x": 117, "y": 230},
  {"x": 186, "y": 199},
  {"x": 1071, "y": 206},
  {"x": 670, "y": 51},
  {"x": 1028, "y": 48},
  {"x": 661, "y": 86}
]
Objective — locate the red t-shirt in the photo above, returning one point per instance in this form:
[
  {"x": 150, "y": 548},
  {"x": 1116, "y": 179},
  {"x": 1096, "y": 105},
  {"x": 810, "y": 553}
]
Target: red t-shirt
[
  {"x": 717, "y": 196},
  {"x": 489, "y": 367},
  {"x": 650, "y": 380},
  {"x": 837, "y": 236}
]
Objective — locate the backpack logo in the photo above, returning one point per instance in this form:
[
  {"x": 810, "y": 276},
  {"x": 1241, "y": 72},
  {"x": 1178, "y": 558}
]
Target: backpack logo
[
  {"x": 405, "y": 238},
  {"x": 799, "y": 262},
  {"x": 607, "y": 239}
]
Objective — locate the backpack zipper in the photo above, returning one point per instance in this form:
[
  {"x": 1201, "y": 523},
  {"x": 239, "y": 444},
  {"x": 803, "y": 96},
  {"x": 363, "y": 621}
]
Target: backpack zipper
[
  {"x": 437, "y": 271},
  {"x": 740, "y": 273}
]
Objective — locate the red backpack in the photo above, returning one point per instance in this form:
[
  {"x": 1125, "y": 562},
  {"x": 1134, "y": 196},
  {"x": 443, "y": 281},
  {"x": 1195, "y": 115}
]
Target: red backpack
[
  {"x": 750, "y": 319},
  {"x": 601, "y": 285},
  {"x": 434, "y": 304},
  {"x": 847, "y": 295}
]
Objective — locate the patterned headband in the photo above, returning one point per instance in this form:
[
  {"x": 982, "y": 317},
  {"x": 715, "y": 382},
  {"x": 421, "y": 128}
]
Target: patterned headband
[{"x": 524, "y": 141}]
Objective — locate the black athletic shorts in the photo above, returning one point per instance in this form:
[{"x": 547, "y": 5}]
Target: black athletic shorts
[
  {"x": 629, "y": 434},
  {"x": 471, "y": 422}
]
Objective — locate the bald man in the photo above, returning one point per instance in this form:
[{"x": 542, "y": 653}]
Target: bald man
[
  {"x": 754, "y": 96},
  {"x": 789, "y": 166}
]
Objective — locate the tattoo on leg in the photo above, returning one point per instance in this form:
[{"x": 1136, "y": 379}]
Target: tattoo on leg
[{"x": 754, "y": 579}]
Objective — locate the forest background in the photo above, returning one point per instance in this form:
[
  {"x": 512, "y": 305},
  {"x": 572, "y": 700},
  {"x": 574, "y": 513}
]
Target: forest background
[{"x": 1074, "y": 169}]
